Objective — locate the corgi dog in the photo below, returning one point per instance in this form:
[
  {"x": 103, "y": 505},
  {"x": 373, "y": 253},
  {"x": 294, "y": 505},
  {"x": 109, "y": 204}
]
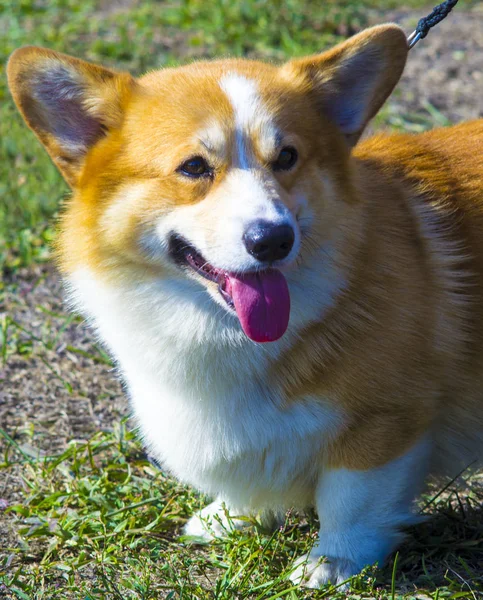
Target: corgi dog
[{"x": 298, "y": 317}]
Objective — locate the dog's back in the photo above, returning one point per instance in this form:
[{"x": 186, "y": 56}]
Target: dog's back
[{"x": 442, "y": 173}]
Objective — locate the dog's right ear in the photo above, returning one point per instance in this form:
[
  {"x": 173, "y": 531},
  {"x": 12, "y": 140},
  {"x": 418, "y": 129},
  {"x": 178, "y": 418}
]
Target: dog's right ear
[
  {"x": 351, "y": 81},
  {"x": 69, "y": 104}
]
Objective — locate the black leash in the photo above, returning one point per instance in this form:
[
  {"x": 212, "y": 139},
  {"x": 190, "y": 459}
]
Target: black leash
[{"x": 439, "y": 13}]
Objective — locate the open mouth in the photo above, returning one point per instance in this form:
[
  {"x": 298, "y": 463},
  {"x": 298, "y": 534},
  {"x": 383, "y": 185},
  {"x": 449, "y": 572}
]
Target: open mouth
[
  {"x": 185, "y": 254},
  {"x": 260, "y": 299}
]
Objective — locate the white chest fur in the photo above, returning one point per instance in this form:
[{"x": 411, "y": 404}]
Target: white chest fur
[{"x": 201, "y": 396}]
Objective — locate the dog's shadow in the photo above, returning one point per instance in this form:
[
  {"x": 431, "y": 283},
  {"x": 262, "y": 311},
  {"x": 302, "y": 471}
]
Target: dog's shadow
[{"x": 444, "y": 550}]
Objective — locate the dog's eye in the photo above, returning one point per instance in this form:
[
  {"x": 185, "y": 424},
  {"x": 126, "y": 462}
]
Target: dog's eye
[
  {"x": 195, "y": 167},
  {"x": 286, "y": 159}
]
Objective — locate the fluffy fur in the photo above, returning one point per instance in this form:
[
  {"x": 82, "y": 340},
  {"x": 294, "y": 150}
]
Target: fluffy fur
[{"x": 378, "y": 380}]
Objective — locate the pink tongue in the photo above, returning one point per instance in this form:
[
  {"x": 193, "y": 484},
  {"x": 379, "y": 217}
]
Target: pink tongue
[{"x": 262, "y": 303}]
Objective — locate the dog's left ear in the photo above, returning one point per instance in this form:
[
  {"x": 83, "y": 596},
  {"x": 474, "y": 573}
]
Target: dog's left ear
[
  {"x": 352, "y": 81},
  {"x": 70, "y": 104}
]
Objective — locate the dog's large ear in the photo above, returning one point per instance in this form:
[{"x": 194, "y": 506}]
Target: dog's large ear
[
  {"x": 69, "y": 104},
  {"x": 352, "y": 80}
]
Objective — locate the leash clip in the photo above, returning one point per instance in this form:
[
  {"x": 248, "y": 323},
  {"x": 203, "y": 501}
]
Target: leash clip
[
  {"x": 439, "y": 13},
  {"x": 414, "y": 38}
]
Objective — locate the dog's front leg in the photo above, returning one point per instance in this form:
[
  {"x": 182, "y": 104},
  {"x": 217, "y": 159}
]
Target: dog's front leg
[{"x": 361, "y": 517}]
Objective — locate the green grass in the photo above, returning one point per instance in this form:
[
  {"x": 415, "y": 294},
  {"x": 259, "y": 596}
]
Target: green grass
[
  {"x": 98, "y": 521},
  {"x": 100, "y": 511}
]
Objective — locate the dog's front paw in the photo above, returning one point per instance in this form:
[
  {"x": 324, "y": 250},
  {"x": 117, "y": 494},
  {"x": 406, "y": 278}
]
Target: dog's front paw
[
  {"x": 199, "y": 528},
  {"x": 314, "y": 571},
  {"x": 212, "y": 522},
  {"x": 207, "y": 524}
]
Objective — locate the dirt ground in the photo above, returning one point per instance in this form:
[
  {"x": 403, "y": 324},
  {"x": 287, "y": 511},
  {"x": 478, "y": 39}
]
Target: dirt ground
[
  {"x": 51, "y": 391},
  {"x": 56, "y": 385},
  {"x": 446, "y": 68}
]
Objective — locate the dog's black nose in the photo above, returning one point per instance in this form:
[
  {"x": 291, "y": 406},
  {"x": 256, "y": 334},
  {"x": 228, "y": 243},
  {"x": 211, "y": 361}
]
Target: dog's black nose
[{"x": 268, "y": 242}]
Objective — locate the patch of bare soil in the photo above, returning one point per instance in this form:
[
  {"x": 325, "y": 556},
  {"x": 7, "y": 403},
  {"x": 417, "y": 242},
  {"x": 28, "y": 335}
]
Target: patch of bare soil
[
  {"x": 58, "y": 385},
  {"x": 446, "y": 68}
]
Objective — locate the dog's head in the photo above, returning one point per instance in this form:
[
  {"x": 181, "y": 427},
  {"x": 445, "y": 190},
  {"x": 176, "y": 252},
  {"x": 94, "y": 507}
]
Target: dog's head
[{"x": 221, "y": 172}]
